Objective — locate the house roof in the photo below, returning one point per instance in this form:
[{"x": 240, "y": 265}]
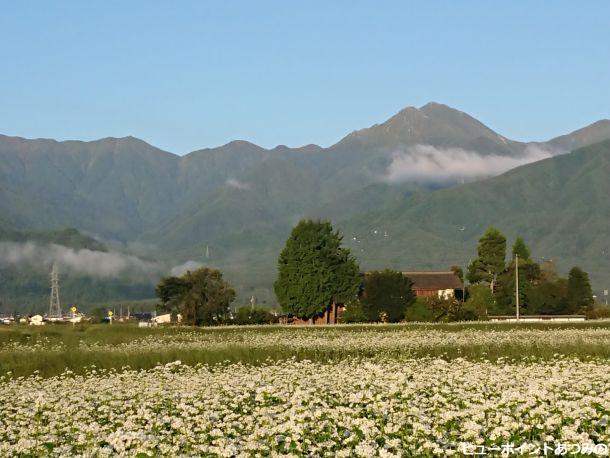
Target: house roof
[{"x": 434, "y": 280}]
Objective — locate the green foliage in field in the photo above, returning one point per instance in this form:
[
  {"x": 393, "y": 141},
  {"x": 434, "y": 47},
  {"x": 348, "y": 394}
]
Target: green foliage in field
[
  {"x": 353, "y": 313},
  {"x": 387, "y": 294},
  {"x": 420, "y": 312},
  {"x": 97, "y": 315},
  {"x": 599, "y": 312},
  {"x": 580, "y": 295},
  {"x": 541, "y": 290},
  {"x": 253, "y": 315},
  {"x": 490, "y": 261},
  {"x": 529, "y": 279},
  {"x": 480, "y": 301},
  {"x": 315, "y": 271},
  {"x": 202, "y": 296}
]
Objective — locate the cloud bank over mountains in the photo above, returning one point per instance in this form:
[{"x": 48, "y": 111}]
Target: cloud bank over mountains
[
  {"x": 100, "y": 265},
  {"x": 83, "y": 262},
  {"x": 426, "y": 163}
]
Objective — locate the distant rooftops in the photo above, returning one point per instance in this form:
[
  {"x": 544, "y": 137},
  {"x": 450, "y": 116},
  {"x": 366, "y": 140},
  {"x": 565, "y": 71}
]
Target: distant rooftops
[{"x": 434, "y": 280}]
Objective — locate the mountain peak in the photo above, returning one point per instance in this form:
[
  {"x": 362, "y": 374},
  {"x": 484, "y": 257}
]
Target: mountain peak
[
  {"x": 435, "y": 106},
  {"x": 242, "y": 146},
  {"x": 432, "y": 124},
  {"x": 128, "y": 140},
  {"x": 234, "y": 146}
]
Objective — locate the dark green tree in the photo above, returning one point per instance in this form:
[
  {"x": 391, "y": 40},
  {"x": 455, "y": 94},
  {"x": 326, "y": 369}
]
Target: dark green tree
[
  {"x": 315, "y": 271},
  {"x": 529, "y": 276},
  {"x": 97, "y": 314},
  {"x": 548, "y": 271},
  {"x": 445, "y": 309},
  {"x": 353, "y": 312},
  {"x": 171, "y": 291},
  {"x": 386, "y": 296},
  {"x": 521, "y": 249},
  {"x": 202, "y": 296},
  {"x": 480, "y": 301},
  {"x": 580, "y": 294},
  {"x": 253, "y": 315},
  {"x": 208, "y": 298},
  {"x": 491, "y": 259},
  {"x": 549, "y": 297},
  {"x": 457, "y": 270},
  {"x": 420, "y": 311}
]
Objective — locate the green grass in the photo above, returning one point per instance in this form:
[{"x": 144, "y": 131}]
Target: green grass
[{"x": 232, "y": 344}]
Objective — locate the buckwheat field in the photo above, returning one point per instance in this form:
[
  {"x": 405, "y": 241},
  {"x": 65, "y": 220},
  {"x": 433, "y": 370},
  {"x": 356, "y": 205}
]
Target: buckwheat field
[{"x": 383, "y": 390}]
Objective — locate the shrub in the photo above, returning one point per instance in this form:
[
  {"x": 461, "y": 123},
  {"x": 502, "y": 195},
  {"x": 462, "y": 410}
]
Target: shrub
[
  {"x": 420, "y": 311},
  {"x": 257, "y": 315},
  {"x": 353, "y": 313},
  {"x": 599, "y": 312}
]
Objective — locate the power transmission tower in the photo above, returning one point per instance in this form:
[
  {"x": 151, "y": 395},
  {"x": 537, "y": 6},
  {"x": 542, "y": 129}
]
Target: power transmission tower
[{"x": 54, "y": 306}]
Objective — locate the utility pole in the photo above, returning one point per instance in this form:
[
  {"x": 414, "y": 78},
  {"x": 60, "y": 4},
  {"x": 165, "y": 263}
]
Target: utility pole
[
  {"x": 464, "y": 273},
  {"x": 517, "y": 283}
]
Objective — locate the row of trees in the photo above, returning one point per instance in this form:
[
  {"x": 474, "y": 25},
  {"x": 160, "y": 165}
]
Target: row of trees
[
  {"x": 315, "y": 272},
  {"x": 204, "y": 297},
  {"x": 541, "y": 290},
  {"x": 385, "y": 296}
]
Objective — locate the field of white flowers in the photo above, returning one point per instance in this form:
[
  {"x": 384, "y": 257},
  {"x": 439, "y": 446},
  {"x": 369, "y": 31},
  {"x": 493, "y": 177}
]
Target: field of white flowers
[{"x": 390, "y": 404}]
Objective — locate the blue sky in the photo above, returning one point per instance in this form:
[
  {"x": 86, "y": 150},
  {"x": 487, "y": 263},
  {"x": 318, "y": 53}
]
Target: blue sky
[{"x": 186, "y": 75}]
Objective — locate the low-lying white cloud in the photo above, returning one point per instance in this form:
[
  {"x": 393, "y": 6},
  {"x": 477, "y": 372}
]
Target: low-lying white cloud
[
  {"x": 428, "y": 163},
  {"x": 177, "y": 271},
  {"x": 235, "y": 183},
  {"x": 88, "y": 263},
  {"x": 83, "y": 262}
]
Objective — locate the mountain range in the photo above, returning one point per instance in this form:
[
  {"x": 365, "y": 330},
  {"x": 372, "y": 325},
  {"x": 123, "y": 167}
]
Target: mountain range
[{"x": 413, "y": 192}]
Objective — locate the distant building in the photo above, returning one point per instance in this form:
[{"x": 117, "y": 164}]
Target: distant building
[
  {"x": 143, "y": 316},
  {"x": 436, "y": 284},
  {"x": 36, "y": 320},
  {"x": 160, "y": 319}
]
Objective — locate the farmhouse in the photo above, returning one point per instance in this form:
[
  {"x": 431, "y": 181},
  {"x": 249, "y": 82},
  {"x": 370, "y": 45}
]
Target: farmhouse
[{"x": 436, "y": 284}]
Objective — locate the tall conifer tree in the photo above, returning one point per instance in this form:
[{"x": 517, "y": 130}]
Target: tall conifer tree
[{"x": 315, "y": 271}]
